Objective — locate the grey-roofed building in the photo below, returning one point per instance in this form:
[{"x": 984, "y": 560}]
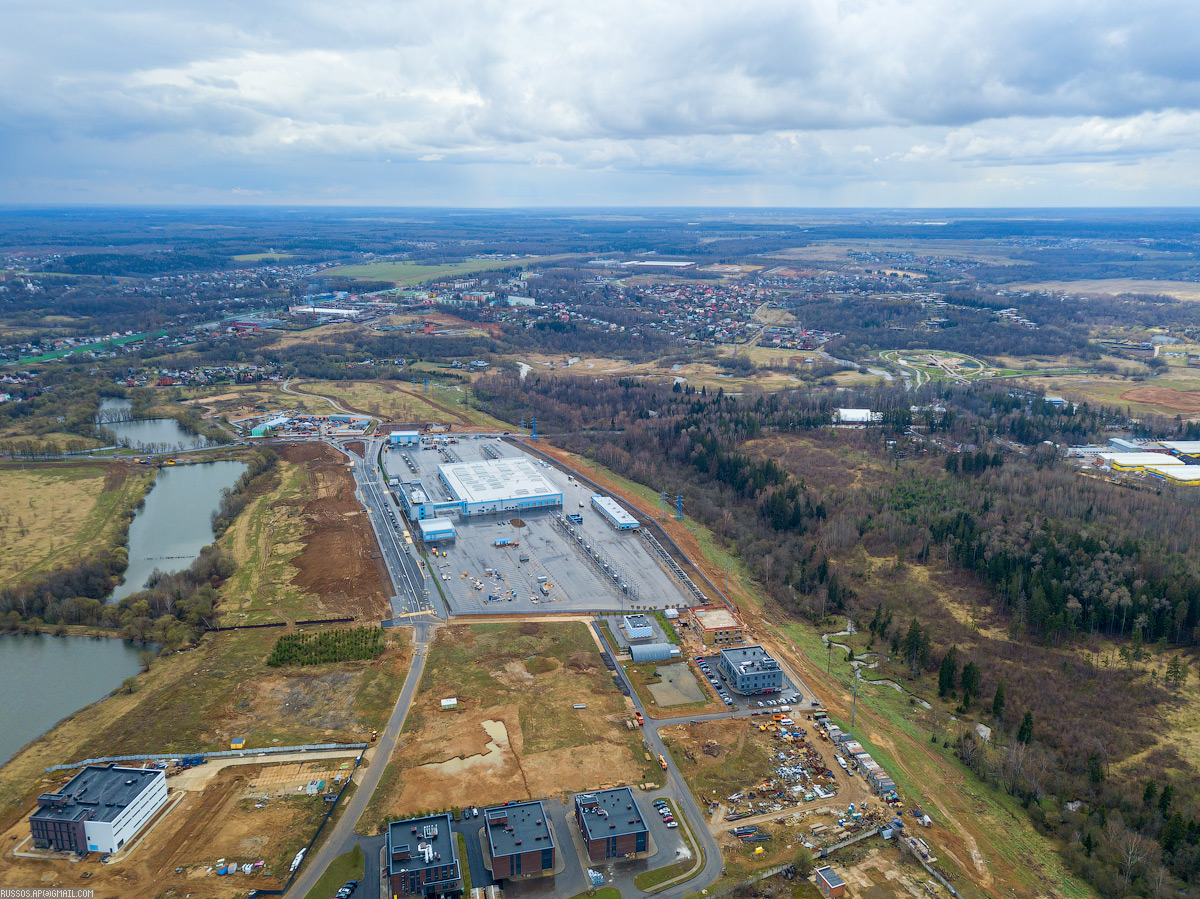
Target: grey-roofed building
[
  {"x": 422, "y": 857},
  {"x": 830, "y": 883},
  {"x": 611, "y": 823},
  {"x": 750, "y": 669},
  {"x": 519, "y": 839},
  {"x": 653, "y": 652},
  {"x": 100, "y": 809}
]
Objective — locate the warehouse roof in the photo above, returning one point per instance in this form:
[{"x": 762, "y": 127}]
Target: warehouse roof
[
  {"x": 105, "y": 789},
  {"x": 513, "y": 829},
  {"x": 1187, "y": 447},
  {"x": 609, "y": 813},
  {"x": 613, "y": 509},
  {"x": 1187, "y": 473},
  {"x": 1140, "y": 459},
  {"x": 496, "y": 480}
]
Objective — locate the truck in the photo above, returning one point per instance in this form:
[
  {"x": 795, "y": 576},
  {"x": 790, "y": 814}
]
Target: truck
[
  {"x": 545, "y": 588},
  {"x": 505, "y": 541},
  {"x": 662, "y": 761}
]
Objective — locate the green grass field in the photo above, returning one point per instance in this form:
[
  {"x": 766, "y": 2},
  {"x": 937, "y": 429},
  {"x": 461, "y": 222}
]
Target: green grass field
[
  {"x": 262, "y": 257},
  {"x": 349, "y": 866}
]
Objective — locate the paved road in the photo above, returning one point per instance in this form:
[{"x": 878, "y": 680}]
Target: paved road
[{"x": 342, "y": 838}]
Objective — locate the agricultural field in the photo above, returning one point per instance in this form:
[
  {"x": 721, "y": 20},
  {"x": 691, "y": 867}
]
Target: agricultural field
[
  {"x": 54, "y": 515},
  {"x": 515, "y": 733},
  {"x": 199, "y": 699},
  {"x": 246, "y": 814},
  {"x": 284, "y": 539},
  {"x": 262, "y": 257},
  {"x": 1180, "y": 290},
  {"x": 410, "y": 273}
]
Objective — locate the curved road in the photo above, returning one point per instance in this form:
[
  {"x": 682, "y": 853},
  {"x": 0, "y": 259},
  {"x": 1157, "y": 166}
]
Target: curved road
[{"x": 287, "y": 388}]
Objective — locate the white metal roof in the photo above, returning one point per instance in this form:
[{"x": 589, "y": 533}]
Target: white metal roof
[
  {"x": 865, "y": 416},
  {"x": 1187, "y": 447},
  {"x": 613, "y": 508},
  {"x": 1188, "y": 473},
  {"x": 1134, "y": 460},
  {"x": 496, "y": 480}
]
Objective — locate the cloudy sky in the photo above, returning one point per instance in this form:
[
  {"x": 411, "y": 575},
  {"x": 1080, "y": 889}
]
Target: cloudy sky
[{"x": 577, "y": 102}]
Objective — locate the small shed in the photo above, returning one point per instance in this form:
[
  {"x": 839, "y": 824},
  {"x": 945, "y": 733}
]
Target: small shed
[
  {"x": 450, "y": 704},
  {"x": 829, "y": 882},
  {"x": 237, "y": 743}
]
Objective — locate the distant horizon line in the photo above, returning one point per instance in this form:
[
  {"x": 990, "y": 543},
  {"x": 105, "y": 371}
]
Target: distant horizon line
[{"x": 9, "y": 206}]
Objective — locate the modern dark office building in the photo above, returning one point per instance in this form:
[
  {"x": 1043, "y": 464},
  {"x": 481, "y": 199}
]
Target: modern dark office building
[
  {"x": 611, "y": 823},
  {"x": 422, "y": 857},
  {"x": 520, "y": 839}
]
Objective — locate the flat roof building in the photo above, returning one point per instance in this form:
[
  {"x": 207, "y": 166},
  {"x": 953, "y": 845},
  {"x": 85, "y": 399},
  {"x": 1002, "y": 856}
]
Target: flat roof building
[
  {"x": 638, "y": 628},
  {"x": 100, "y": 809},
  {"x": 404, "y": 438},
  {"x": 1179, "y": 474},
  {"x": 422, "y": 857},
  {"x": 829, "y": 882},
  {"x": 1138, "y": 461},
  {"x": 498, "y": 485},
  {"x": 716, "y": 626},
  {"x": 613, "y": 513},
  {"x": 751, "y": 669},
  {"x": 434, "y": 529},
  {"x": 856, "y": 416},
  {"x": 519, "y": 839},
  {"x": 611, "y": 823},
  {"x": 1183, "y": 447}
]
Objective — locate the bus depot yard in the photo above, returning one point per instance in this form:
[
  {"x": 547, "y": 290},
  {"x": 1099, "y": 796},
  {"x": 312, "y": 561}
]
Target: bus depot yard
[
  {"x": 514, "y": 560},
  {"x": 255, "y": 815}
]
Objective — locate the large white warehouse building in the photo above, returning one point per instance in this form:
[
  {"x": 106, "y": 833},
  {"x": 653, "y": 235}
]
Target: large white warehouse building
[{"x": 499, "y": 485}]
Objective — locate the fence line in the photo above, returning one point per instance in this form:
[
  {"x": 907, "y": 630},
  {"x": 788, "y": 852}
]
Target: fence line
[{"x": 224, "y": 754}]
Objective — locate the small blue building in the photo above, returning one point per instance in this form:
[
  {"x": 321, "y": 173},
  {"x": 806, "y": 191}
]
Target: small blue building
[{"x": 404, "y": 438}]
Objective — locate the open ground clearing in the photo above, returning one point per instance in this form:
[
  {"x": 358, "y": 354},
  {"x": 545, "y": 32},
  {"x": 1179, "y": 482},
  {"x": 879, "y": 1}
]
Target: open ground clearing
[
  {"x": 840, "y": 250},
  {"x": 515, "y": 733},
  {"x": 219, "y": 821},
  {"x": 262, "y": 257},
  {"x": 1175, "y": 392},
  {"x": 237, "y": 401},
  {"x": 304, "y": 548},
  {"x": 1180, "y": 290},
  {"x": 54, "y": 515},
  {"x": 655, "y": 684},
  {"x": 407, "y": 402}
]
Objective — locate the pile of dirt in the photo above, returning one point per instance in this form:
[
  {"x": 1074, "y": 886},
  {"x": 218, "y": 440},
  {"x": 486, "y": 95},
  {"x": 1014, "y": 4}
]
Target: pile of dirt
[
  {"x": 340, "y": 562},
  {"x": 529, "y": 629},
  {"x": 581, "y": 661}
]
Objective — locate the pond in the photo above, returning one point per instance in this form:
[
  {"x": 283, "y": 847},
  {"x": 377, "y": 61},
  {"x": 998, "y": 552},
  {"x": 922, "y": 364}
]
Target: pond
[
  {"x": 151, "y": 434},
  {"x": 175, "y": 521},
  {"x": 48, "y": 678}
]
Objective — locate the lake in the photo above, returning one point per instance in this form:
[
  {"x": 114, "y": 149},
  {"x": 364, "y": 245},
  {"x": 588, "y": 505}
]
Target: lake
[
  {"x": 47, "y": 678},
  {"x": 175, "y": 522},
  {"x": 162, "y": 434}
]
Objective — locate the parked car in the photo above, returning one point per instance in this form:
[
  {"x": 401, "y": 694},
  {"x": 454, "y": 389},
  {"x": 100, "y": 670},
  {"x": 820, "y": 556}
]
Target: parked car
[{"x": 672, "y": 824}]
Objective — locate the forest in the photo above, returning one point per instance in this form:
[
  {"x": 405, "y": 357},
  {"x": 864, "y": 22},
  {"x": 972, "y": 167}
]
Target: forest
[{"x": 1065, "y": 565}]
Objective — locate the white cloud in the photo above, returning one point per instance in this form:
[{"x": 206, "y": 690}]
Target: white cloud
[{"x": 815, "y": 95}]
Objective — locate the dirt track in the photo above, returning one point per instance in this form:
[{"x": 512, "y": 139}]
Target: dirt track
[{"x": 340, "y": 561}]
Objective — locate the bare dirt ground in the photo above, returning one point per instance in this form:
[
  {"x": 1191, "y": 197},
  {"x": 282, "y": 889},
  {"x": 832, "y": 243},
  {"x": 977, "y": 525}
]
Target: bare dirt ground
[
  {"x": 1175, "y": 400},
  {"x": 340, "y": 562},
  {"x": 516, "y": 733},
  {"x": 218, "y": 821}
]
